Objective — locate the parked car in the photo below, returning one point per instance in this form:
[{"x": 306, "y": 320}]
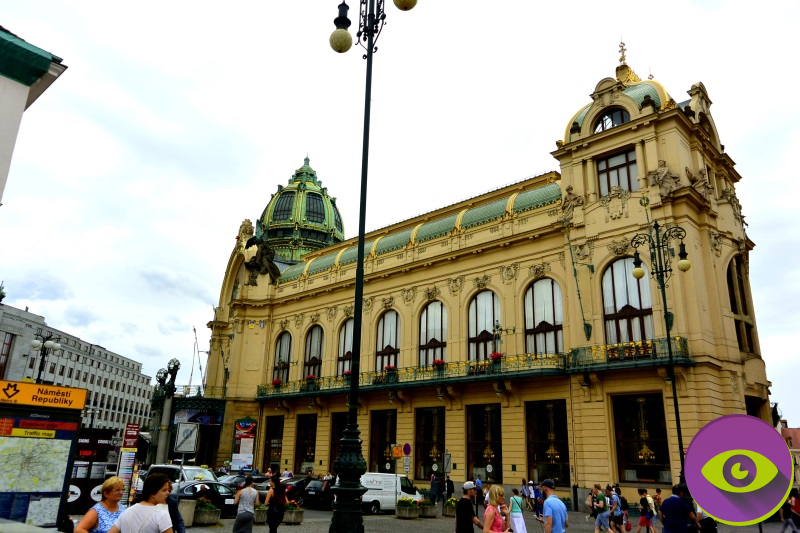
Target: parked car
[
  {"x": 237, "y": 481},
  {"x": 220, "y": 495},
  {"x": 318, "y": 494},
  {"x": 295, "y": 487},
  {"x": 188, "y": 473}
]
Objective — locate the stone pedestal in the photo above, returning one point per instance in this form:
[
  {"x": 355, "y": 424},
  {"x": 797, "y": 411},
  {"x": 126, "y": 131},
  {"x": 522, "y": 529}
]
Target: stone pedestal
[
  {"x": 407, "y": 513},
  {"x": 293, "y": 517},
  {"x": 449, "y": 511},
  {"x": 428, "y": 512},
  {"x": 260, "y": 516},
  {"x": 206, "y": 518},
  {"x": 186, "y": 509}
]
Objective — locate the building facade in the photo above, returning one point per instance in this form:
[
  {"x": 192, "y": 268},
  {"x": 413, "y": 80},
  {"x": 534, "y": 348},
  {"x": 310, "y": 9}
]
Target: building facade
[
  {"x": 506, "y": 332},
  {"x": 118, "y": 392}
]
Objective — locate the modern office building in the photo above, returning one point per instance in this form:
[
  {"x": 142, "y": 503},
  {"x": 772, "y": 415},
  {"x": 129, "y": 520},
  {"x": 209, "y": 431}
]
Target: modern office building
[
  {"x": 118, "y": 392},
  {"x": 507, "y": 331}
]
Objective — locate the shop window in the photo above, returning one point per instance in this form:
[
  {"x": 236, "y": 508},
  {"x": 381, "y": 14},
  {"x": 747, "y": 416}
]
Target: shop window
[
  {"x": 382, "y": 435},
  {"x": 306, "y": 445},
  {"x": 640, "y": 436},
  {"x": 544, "y": 318},
  {"x": 484, "y": 313},
  {"x": 433, "y": 334},
  {"x": 429, "y": 445},
  {"x": 484, "y": 443},
  {"x": 548, "y": 441},
  {"x": 627, "y": 305}
]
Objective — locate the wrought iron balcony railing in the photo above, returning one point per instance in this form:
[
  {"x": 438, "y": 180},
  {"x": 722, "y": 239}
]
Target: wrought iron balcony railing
[
  {"x": 627, "y": 355},
  {"x": 200, "y": 391}
]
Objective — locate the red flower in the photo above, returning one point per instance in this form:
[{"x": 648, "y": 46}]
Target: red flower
[
  {"x": 276, "y": 382},
  {"x": 390, "y": 367},
  {"x": 496, "y": 356},
  {"x": 311, "y": 376},
  {"x": 438, "y": 362},
  {"x": 346, "y": 373}
]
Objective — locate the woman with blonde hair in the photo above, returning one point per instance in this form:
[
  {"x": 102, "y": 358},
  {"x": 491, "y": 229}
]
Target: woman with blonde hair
[
  {"x": 497, "y": 517},
  {"x": 148, "y": 516},
  {"x": 102, "y": 515}
]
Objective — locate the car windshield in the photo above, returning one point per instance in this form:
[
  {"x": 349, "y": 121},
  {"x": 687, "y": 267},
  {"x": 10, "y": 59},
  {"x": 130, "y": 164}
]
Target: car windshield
[
  {"x": 316, "y": 484},
  {"x": 195, "y": 472}
]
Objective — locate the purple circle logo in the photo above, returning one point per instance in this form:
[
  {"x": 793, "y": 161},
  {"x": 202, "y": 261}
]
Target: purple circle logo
[{"x": 739, "y": 469}]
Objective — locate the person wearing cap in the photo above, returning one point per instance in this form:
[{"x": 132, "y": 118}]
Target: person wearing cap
[
  {"x": 465, "y": 516},
  {"x": 555, "y": 518}
]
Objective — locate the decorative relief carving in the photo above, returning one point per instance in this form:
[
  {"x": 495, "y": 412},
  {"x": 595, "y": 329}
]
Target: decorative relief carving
[
  {"x": 348, "y": 311},
  {"x": 455, "y": 284},
  {"x": 667, "y": 181},
  {"x": 408, "y": 295},
  {"x": 562, "y": 258},
  {"x": 387, "y": 303},
  {"x": 284, "y": 324},
  {"x": 735, "y": 382},
  {"x": 331, "y": 312},
  {"x": 619, "y": 247},
  {"x": 298, "y": 319},
  {"x": 481, "y": 282},
  {"x": 616, "y": 203},
  {"x": 583, "y": 251},
  {"x": 700, "y": 182},
  {"x": 729, "y": 195},
  {"x": 245, "y": 232},
  {"x": 368, "y": 304},
  {"x": 509, "y": 272},
  {"x": 431, "y": 293},
  {"x": 716, "y": 242},
  {"x": 314, "y": 318},
  {"x": 538, "y": 271}
]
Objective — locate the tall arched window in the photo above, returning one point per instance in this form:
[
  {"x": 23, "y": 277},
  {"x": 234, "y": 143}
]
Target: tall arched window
[
  {"x": 484, "y": 312},
  {"x": 283, "y": 354},
  {"x": 345, "y": 347},
  {"x": 739, "y": 294},
  {"x": 388, "y": 344},
  {"x": 627, "y": 305},
  {"x": 312, "y": 364},
  {"x": 433, "y": 333},
  {"x": 544, "y": 318}
]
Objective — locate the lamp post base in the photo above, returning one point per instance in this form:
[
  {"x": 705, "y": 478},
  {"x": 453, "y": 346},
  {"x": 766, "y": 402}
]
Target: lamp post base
[{"x": 349, "y": 467}]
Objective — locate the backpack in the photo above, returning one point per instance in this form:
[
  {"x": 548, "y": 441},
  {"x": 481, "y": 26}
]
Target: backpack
[{"x": 623, "y": 503}]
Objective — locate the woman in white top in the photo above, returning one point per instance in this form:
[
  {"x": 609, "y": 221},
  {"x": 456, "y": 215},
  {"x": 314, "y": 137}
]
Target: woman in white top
[
  {"x": 247, "y": 499},
  {"x": 148, "y": 516}
]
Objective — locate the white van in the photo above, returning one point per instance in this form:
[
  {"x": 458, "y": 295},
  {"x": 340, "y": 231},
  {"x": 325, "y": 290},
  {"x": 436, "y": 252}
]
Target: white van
[{"x": 383, "y": 491}]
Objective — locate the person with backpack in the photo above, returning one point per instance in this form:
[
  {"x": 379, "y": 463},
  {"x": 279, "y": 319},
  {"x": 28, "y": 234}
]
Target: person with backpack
[
  {"x": 623, "y": 504},
  {"x": 616, "y": 518}
]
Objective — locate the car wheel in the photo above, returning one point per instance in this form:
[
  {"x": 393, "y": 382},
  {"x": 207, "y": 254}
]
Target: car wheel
[{"x": 374, "y": 508}]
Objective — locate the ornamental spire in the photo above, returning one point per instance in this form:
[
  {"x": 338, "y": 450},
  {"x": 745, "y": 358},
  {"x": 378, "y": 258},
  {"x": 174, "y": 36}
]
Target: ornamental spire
[{"x": 622, "y": 51}]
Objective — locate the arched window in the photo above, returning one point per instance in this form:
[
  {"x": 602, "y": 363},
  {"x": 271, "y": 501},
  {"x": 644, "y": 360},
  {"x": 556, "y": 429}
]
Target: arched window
[
  {"x": 611, "y": 119},
  {"x": 315, "y": 209},
  {"x": 433, "y": 334},
  {"x": 283, "y": 207},
  {"x": 283, "y": 354},
  {"x": 312, "y": 365},
  {"x": 544, "y": 318},
  {"x": 627, "y": 305},
  {"x": 484, "y": 312},
  {"x": 345, "y": 347},
  {"x": 388, "y": 344},
  {"x": 739, "y": 293}
]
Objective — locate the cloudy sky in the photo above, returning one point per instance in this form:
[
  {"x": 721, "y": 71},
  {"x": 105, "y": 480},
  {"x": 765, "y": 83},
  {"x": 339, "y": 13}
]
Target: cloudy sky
[{"x": 177, "y": 120}]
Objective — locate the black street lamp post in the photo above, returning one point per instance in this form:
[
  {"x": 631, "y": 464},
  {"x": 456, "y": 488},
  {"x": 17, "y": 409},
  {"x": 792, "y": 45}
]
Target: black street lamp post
[
  {"x": 658, "y": 241},
  {"x": 45, "y": 346},
  {"x": 350, "y": 465}
]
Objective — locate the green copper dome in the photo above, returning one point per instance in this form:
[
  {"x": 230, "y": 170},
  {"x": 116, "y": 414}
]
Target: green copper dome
[{"x": 301, "y": 217}]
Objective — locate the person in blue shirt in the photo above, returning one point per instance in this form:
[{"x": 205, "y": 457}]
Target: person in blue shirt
[
  {"x": 555, "y": 518},
  {"x": 675, "y": 513},
  {"x": 616, "y": 511}
]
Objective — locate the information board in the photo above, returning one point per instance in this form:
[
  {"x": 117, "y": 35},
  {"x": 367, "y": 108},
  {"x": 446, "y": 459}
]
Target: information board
[{"x": 38, "y": 436}]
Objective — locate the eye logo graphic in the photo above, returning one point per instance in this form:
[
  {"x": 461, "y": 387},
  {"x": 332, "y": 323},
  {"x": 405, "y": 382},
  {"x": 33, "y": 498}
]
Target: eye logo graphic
[{"x": 739, "y": 469}]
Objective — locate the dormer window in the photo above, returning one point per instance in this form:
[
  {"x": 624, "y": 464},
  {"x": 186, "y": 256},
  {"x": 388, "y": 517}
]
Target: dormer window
[{"x": 610, "y": 119}]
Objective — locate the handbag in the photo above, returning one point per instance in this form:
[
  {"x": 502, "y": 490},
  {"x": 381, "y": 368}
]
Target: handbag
[{"x": 628, "y": 526}]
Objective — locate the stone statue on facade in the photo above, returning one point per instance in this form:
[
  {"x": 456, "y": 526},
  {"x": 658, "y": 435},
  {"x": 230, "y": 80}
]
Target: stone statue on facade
[
  {"x": 667, "y": 181},
  {"x": 700, "y": 182},
  {"x": 262, "y": 263},
  {"x": 568, "y": 204}
]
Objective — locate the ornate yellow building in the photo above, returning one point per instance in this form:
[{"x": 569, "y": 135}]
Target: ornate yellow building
[{"x": 538, "y": 272}]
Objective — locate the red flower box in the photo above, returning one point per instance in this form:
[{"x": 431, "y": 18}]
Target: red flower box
[
  {"x": 496, "y": 356},
  {"x": 276, "y": 382}
]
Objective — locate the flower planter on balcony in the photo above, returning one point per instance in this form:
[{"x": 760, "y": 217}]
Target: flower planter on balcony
[
  {"x": 205, "y": 518},
  {"x": 407, "y": 513},
  {"x": 293, "y": 517}
]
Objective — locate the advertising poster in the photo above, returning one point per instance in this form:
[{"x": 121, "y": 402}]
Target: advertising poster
[
  {"x": 127, "y": 460},
  {"x": 38, "y": 436},
  {"x": 244, "y": 438}
]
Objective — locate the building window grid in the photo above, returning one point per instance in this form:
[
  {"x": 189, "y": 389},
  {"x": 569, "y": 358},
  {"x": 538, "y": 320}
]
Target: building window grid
[
  {"x": 315, "y": 208},
  {"x": 387, "y": 346},
  {"x": 618, "y": 170},
  {"x": 283, "y": 353},
  {"x": 738, "y": 291},
  {"x": 544, "y": 318},
  {"x": 313, "y": 357},
  {"x": 627, "y": 304},
  {"x": 611, "y": 119},
  {"x": 345, "y": 347}
]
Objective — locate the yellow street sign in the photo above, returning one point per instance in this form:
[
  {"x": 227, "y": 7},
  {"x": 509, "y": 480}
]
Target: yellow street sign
[
  {"x": 18, "y": 393},
  {"x": 397, "y": 452},
  {"x": 33, "y": 433}
]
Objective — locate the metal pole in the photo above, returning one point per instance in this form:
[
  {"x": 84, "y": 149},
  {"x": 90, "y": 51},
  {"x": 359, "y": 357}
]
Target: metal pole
[
  {"x": 350, "y": 465},
  {"x": 42, "y": 354}
]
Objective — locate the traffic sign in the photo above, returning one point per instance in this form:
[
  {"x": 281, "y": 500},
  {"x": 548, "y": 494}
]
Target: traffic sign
[
  {"x": 187, "y": 437},
  {"x": 447, "y": 460},
  {"x": 397, "y": 452},
  {"x": 16, "y": 392},
  {"x": 406, "y": 449}
]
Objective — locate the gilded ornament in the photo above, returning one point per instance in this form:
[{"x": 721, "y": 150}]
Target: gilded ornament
[{"x": 619, "y": 247}]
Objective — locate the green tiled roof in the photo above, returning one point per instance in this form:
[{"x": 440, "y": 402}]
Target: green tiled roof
[
  {"x": 21, "y": 61},
  {"x": 322, "y": 263},
  {"x": 637, "y": 93},
  {"x": 484, "y": 213},
  {"x": 436, "y": 228},
  {"x": 392, "y": 242},
  {"x": 293, "y": 272},
  {"x": 582, "y": 115},
  {"x": 351, "y": 254},
  {"x": 538, "y": 197}
]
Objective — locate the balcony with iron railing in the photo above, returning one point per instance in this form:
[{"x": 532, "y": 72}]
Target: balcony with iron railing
[{"x": 651, "y": 353}]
